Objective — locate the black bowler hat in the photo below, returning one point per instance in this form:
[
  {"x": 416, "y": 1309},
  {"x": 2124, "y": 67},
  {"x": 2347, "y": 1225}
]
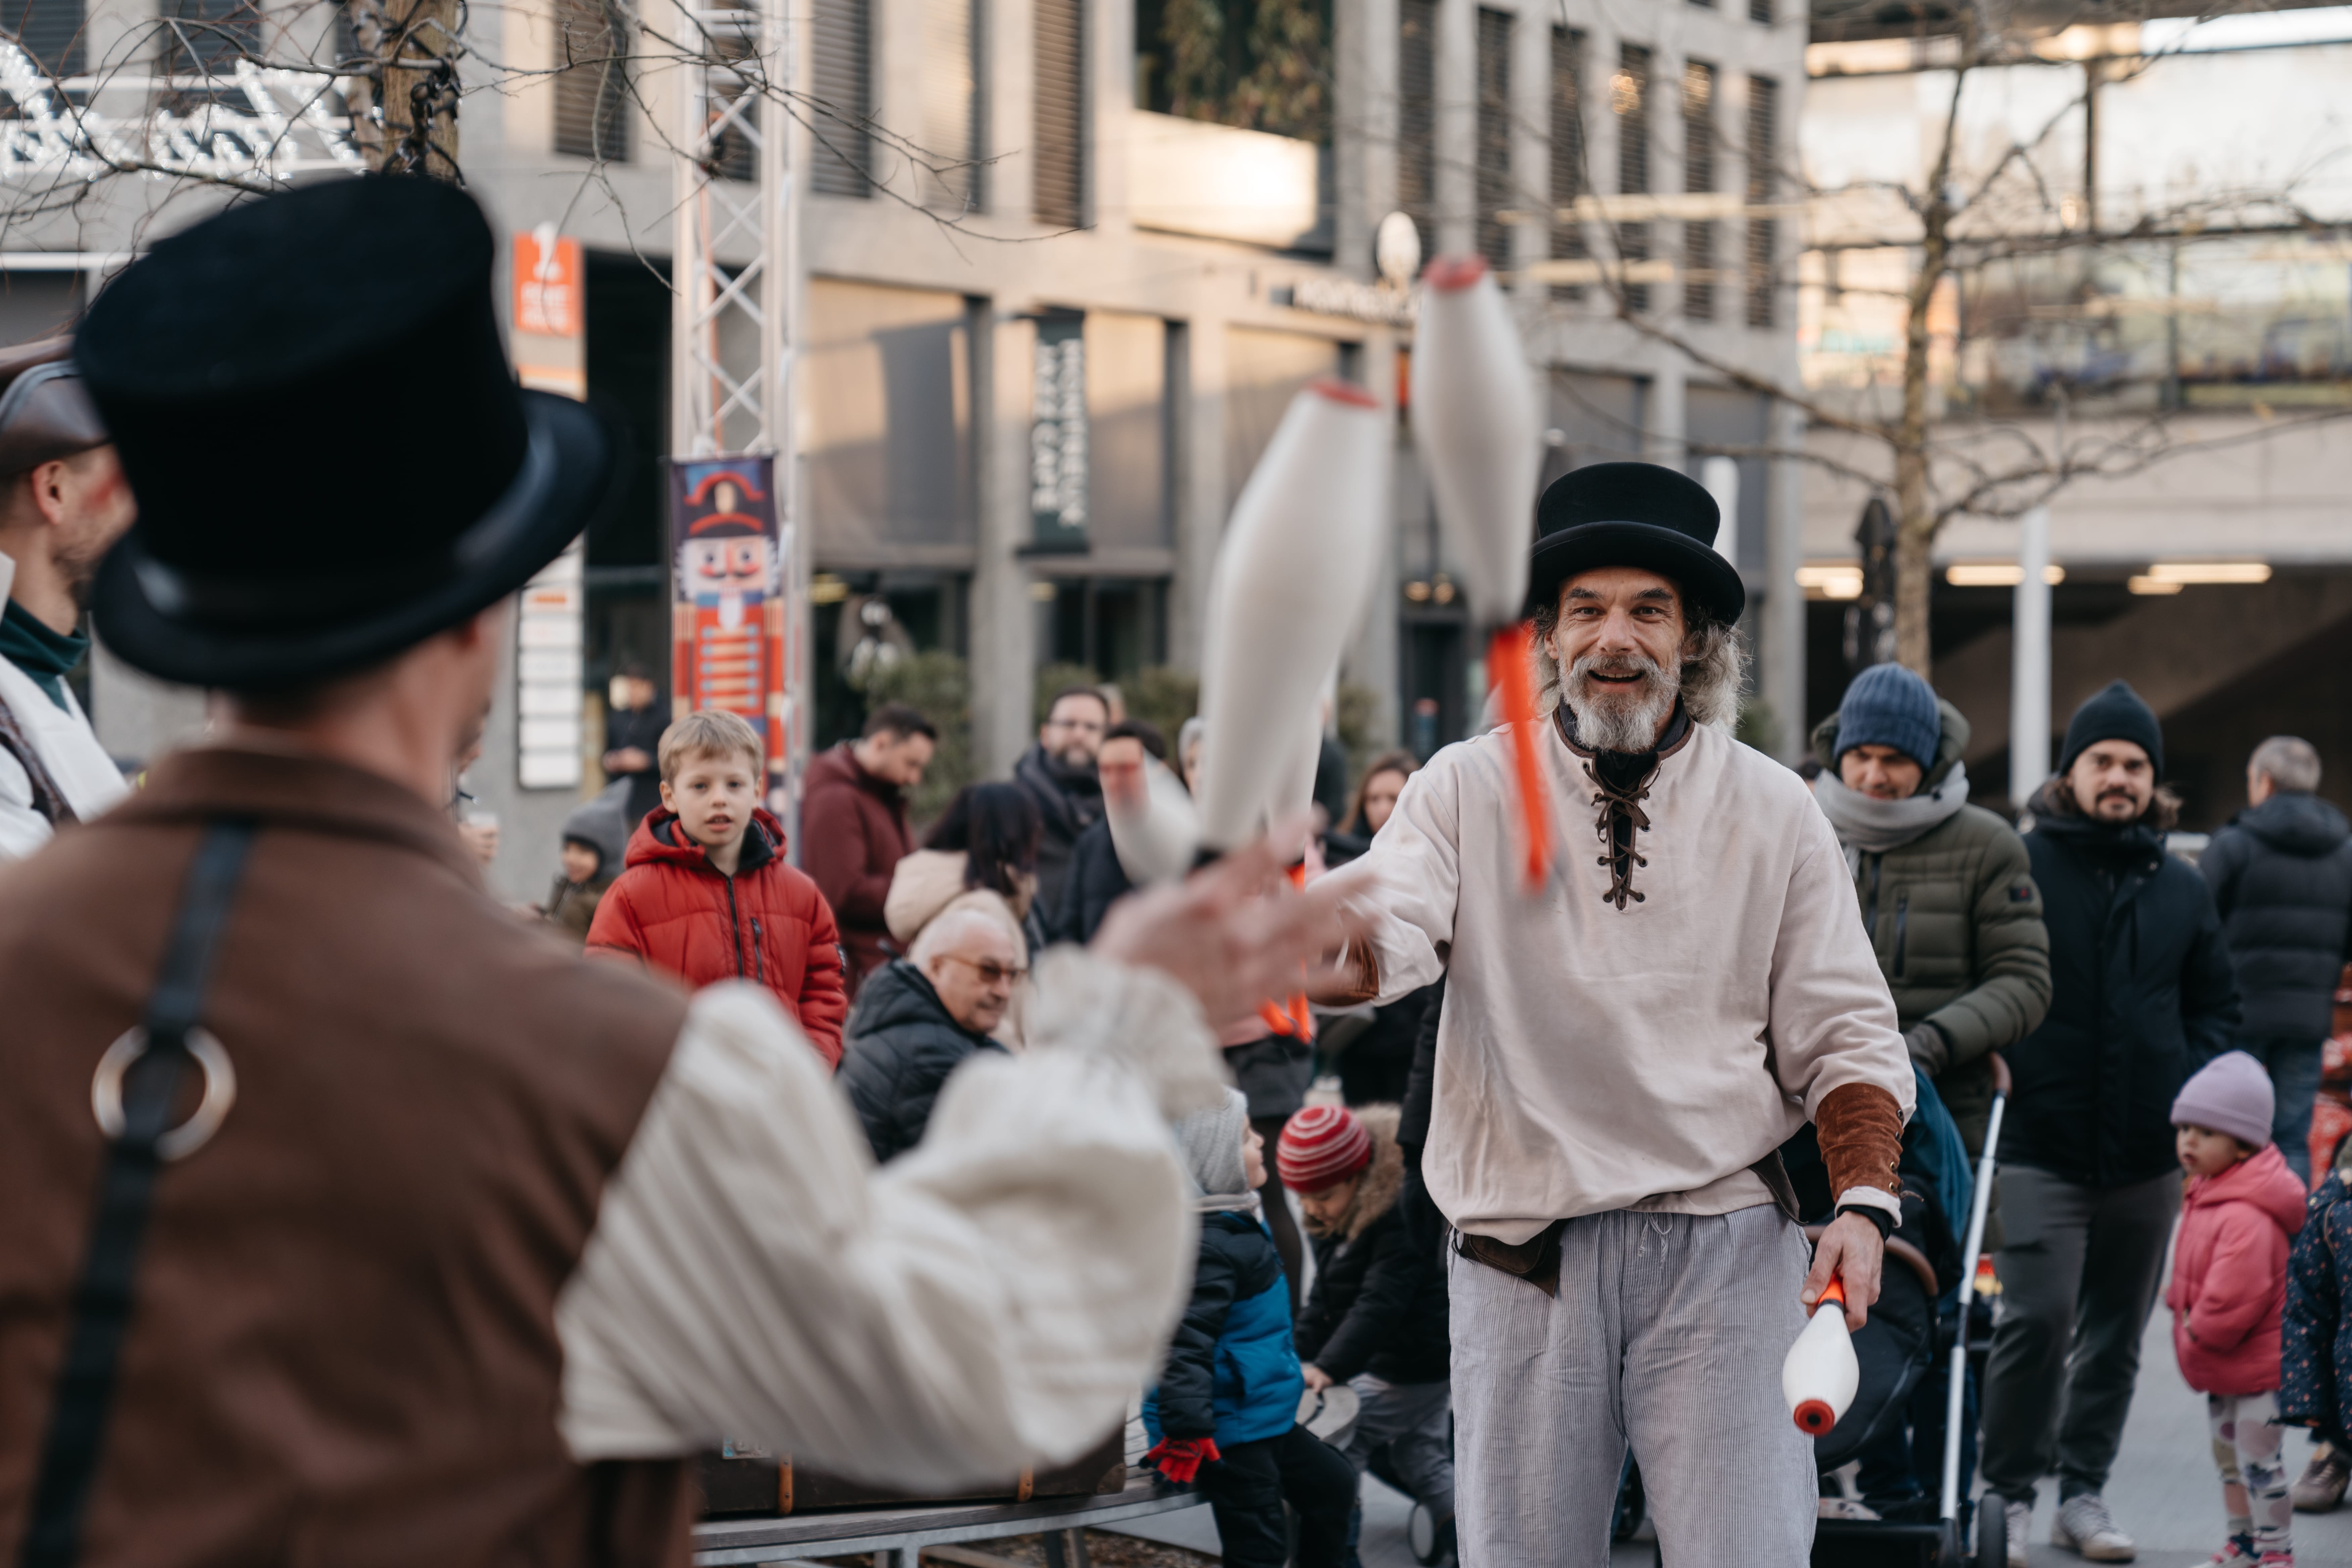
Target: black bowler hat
[
  {"x": 1632, "y": 514},
  {"x": 332, "y": 460}
]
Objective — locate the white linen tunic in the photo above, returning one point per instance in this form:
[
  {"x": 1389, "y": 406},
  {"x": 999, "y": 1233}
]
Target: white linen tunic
[{"x": 1590, "y": 1058}]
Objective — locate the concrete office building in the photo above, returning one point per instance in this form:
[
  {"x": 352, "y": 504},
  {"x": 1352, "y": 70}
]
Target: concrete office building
[
  {"x": 2179, "y": 286},
  {"x": 989, "y": 178}
]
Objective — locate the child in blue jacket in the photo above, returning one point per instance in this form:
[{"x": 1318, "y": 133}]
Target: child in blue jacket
[{"x": 1225, "y": 1414}]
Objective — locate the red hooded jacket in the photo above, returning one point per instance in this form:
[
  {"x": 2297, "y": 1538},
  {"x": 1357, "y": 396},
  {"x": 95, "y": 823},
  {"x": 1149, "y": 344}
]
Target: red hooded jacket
[
  {"x": 2229, "y": 1274},
  {"x": 766, "y": 923}
]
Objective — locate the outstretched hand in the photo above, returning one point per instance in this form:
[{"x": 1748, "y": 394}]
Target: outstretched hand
[
  {"x": 1233, "y": 934},
  {"x": 1852, "y": 1250}
]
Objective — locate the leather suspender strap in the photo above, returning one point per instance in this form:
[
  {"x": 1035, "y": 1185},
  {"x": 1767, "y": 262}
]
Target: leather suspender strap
[
  {"x": 149, "y": 1089},
  {"x": 48, "y": 800}
]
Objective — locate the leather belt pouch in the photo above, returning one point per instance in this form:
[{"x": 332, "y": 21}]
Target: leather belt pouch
[{"x": 1535, "y": 1260}]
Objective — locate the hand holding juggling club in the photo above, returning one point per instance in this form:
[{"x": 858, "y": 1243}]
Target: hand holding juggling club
[{"x": 1821, "y": 1373}]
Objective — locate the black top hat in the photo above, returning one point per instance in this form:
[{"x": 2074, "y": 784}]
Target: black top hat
[
  {"x": 332, "y": 460},
  {"x": 1632, "y": 514}
]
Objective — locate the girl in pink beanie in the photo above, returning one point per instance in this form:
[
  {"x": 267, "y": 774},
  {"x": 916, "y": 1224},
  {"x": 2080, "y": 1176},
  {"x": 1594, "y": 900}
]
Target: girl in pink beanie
[{"x": 2242, "y": 1208}]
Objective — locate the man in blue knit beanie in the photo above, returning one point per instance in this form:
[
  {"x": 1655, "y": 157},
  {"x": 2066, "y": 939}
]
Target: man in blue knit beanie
[{"x": 1945, "y": 891}]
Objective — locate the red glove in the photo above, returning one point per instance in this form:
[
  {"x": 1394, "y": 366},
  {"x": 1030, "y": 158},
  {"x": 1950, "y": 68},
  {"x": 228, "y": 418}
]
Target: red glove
[{"x": 1181, "y": 1459}]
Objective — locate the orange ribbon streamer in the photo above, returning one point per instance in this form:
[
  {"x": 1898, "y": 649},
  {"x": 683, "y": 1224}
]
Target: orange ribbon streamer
[
  {"x": 1507, "y": 672},
  {"x": 1292, "y": 1015}
]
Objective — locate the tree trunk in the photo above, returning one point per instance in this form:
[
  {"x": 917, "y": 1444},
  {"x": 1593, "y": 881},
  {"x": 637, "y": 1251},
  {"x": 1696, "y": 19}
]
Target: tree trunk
[
  {"x": 1915, "y": 506},
  {"x": 417, "y": 44}
]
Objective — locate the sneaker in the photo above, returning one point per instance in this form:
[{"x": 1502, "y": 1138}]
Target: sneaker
[
  {"x": 2237, "y": 1551},
  {"x": 2085, "y": 1524},
  {"x": 2321, "y": 1486},
  {"x": 2278, "y": 1560},
  {"x": 2021, "y": 1521}
]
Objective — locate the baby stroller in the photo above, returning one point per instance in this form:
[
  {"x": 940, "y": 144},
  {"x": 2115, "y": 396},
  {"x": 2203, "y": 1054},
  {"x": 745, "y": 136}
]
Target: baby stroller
[{"x": 1897, "y": 1349}]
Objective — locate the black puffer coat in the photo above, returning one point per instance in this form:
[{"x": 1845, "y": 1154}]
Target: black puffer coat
[
  {"x": 2141, "y": 996},
  {"x": 898, "y": 1049},
  {"x": 1379, "y": 1301},
  {"x": 1094, "y": 881},
  {"x": 2282, "y": 879},
  {"x": 1422, "y": 1220},
  {"x": 1374, "y": 1069},
  {"x": 1069, "y": 800}
]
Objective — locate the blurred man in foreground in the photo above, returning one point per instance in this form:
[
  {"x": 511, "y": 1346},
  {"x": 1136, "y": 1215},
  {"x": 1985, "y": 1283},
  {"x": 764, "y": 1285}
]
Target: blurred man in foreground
[{"x": 397, "y": 1195}]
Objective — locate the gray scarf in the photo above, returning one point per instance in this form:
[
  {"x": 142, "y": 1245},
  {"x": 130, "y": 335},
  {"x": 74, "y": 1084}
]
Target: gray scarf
[{"x": 1868, "y": 826}]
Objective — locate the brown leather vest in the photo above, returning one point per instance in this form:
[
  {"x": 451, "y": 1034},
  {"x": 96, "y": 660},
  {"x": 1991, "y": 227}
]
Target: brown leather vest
[{"x": 343, "y": 1347}]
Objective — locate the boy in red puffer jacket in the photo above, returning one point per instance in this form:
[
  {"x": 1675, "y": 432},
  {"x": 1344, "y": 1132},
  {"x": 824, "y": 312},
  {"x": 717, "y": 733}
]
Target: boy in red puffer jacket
[
  {"x": 707, "y": 895},
  {"x": 2242, "y": 1208}
]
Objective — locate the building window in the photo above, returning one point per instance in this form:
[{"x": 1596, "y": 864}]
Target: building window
[
  {"x": 1567, "y": 182},
  {"x": 1630, "y": 95},
  {"x": 885, "y": 412},
  {"x": 1698, "y": 175},
  {"x": 49, "y": 31},
  {"x": 1761, "y": 11},
  {"x": 1417, "y": 117},
  {"x": 952, "y": 106},
  {"x": 1494, "y": 137},
  {"x": 592, "y": 83},
  {"x": 1060, "y": 190},
  {"x": 1261, "y": 65},
  {"x": 1763, "y": 232},
  {"x": 1115, "y": 626},
  {"x": 208, "y": 37},
  {"x": 841, "y": 73}
]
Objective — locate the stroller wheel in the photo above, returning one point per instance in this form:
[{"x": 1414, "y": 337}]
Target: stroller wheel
[{"x": 1993, "y": 1533}]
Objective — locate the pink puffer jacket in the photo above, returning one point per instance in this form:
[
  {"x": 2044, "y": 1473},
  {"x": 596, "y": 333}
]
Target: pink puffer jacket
[{"x": 2229, "y": 1274}]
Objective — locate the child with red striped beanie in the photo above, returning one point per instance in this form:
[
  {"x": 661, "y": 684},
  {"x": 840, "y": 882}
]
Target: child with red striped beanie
[{"x": 1376, "y": 1317}]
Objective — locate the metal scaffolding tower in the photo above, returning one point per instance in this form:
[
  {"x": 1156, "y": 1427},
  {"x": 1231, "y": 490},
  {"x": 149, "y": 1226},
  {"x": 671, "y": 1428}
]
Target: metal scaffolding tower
[{"x": 735, "y": 292}]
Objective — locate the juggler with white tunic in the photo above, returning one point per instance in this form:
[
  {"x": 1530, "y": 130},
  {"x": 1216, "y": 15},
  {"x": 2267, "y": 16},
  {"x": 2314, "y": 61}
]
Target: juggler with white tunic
[{"x": 1620, "y": 1056}]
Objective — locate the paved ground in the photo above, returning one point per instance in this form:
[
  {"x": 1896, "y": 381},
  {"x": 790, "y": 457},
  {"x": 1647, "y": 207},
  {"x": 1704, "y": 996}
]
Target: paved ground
[{"x": 2164, "y": 1492}]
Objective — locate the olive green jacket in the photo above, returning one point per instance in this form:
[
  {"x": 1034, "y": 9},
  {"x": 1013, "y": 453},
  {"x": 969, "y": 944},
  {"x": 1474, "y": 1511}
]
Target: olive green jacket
[{"x": 1957, "y": 922}]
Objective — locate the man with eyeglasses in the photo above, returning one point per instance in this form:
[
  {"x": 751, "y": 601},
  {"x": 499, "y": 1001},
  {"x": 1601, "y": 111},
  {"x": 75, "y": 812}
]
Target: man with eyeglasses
[
  {"x": 1058, "y": 772},
  {"x": 920, "y": 1017}
]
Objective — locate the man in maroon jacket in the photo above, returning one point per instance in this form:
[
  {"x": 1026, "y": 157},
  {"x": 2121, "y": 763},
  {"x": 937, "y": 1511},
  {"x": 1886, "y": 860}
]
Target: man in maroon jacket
[{"x": 853, "y": 827}]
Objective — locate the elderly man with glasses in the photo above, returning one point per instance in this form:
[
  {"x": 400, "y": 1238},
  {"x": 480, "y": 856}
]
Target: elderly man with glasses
[{"x": 920, "y": 1017}]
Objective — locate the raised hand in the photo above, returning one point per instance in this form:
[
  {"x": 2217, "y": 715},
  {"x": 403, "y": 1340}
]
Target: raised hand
[{"x": 1234, "y": 933}]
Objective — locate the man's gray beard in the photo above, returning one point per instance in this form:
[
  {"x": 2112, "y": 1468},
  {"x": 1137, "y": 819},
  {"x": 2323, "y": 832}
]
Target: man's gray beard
[{"x": 1619, "y": 719}]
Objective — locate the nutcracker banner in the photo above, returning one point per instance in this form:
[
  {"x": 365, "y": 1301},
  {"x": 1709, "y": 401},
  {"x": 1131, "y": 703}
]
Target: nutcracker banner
[{"x": 727, "y": 603}]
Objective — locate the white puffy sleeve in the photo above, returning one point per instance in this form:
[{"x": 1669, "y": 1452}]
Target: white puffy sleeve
[{"x": 990, "y": 1301}]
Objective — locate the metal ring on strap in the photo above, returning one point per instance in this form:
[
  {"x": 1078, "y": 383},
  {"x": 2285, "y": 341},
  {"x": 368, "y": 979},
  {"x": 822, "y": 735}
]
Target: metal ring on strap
[{"x": 220, "y": 1090}]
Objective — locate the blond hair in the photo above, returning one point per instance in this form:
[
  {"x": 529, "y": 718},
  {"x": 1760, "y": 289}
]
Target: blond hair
[{"x": 707, "y": 732}]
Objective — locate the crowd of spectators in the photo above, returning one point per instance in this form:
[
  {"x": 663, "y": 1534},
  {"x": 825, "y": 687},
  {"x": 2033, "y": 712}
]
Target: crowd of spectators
[{"x": 2105, "y": 969}]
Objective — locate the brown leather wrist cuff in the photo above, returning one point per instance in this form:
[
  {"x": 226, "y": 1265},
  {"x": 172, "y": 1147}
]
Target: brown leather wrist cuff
[
  {"x": 1860, "y": 1127},
  {"x": 1359, "y": 968}
]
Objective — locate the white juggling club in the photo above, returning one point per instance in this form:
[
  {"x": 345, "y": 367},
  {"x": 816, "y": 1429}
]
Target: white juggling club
[
  {"x": 1292, "y": 578},
  {"x": 1820, "y": 1374},
  {"x": 1154, "y": 829},
  {"x": 1475, "y": 425}
]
